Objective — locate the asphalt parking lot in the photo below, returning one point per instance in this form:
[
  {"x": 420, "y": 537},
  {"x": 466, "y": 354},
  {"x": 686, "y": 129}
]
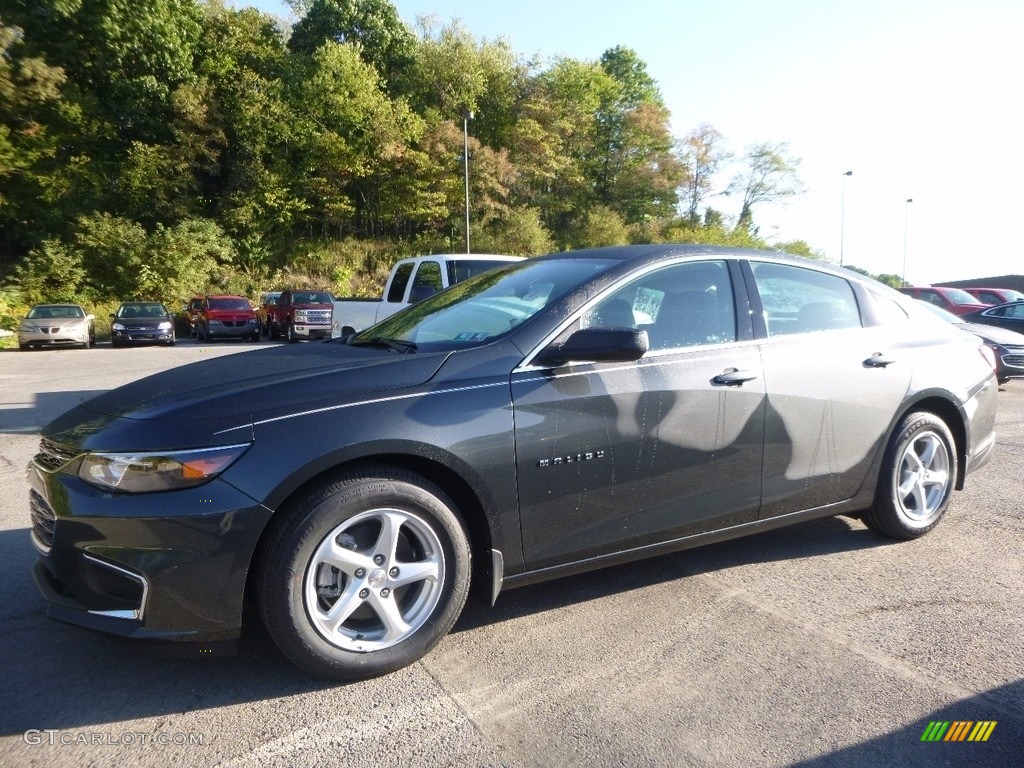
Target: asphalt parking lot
[{"x": 817, "y": 645}]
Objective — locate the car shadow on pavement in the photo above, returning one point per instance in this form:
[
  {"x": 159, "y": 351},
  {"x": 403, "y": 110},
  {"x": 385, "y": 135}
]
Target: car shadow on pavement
[
  {"x": 31, "y": 417},
  {"x": 827, "y": 536},
  {"x": 54, "y": 673},
  {"x": 992, "y": 717},
  {"x": 61, "y": 676}
]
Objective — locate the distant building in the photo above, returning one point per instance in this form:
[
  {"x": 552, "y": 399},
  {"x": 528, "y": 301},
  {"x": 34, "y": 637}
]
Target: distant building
[{"x": 1016, "y": 282}]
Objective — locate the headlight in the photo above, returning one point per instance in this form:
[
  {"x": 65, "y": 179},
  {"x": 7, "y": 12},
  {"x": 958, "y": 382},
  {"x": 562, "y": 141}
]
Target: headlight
[
  {"x": 74, "y": 327},
  {"x": 117, "y": 327},
  {"x": 26, "y": 328},
  {"x": 211, "y": 321},
  {"x": 165, "y": 326},
  {"x": 146, "y": 472}
]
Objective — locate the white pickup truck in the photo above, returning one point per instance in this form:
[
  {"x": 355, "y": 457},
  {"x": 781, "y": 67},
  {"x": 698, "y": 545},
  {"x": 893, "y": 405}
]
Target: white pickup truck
[{"x": 412, "y": 280}]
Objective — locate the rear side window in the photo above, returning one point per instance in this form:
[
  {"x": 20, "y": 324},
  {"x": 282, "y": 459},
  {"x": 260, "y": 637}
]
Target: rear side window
[
  {"x": 1010, "y": 310},
  {"x": 799, "y": 300}
]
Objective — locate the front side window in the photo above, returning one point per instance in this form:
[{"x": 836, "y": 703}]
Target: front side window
[
  {"x": 683, "y": 305},
  {"x": 800, "y": 300}
]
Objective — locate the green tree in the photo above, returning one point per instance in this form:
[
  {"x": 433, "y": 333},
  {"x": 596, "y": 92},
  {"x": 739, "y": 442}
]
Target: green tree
[
  {"x": 30, "y": 112},
  {"x": 703, "y": 156},
  {"x": 373, "y": 27},
  {"x": 770, "y": 176}
]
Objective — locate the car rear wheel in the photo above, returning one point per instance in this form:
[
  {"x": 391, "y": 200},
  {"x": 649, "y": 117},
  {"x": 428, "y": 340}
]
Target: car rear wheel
[
  {"x": 917, "y": 478},
  {"x": 365, "y": 574}
]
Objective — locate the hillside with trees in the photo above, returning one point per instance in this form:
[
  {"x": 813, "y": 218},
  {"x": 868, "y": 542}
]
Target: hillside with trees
[{"x": 159, "y": 148}]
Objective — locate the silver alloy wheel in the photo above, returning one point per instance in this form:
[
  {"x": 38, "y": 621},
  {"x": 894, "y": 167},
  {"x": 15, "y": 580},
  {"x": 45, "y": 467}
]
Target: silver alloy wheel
[
  {"x": 374, "y": 580},
  {"x": 924, "y": 477}
]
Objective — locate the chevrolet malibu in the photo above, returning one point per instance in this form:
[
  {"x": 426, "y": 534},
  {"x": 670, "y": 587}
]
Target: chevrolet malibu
[{"x": 548, "y": 417}]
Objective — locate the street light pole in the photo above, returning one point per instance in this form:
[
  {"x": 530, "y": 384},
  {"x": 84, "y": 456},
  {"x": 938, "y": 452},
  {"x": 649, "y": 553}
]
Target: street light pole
[
  {"x": 906, "y": 221},
  {"x": 466, "y": 117},
  {"x": 842, "y": 218}
]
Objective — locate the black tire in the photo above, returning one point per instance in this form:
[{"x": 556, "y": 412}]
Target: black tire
[
  {"x": 271, "y": 332},
  {"x": 204, "y": 334},
  {"x": 290, "y": 333},
  {"x": 114, "y": 342},
  {"x": 25, "y": 347},
  {"x": 333, "y": 550},
  {"x": 917, "y": 478}
]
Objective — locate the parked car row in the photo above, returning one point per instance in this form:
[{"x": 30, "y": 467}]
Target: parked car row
[{"x": 1007, "y": 345}]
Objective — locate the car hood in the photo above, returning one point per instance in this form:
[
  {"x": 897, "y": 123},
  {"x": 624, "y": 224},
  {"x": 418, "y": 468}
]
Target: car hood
[
  {"x": 54, "y": 322},
  {"x": 994, "y": 334},
  {"x": 200, "y": 399}
]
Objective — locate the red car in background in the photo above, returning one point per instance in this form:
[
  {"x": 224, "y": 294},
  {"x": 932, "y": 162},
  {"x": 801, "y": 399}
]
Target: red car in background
[
  {"x": 995, "y": 295},
  {"x": 954, "y": 300},
  {"x": 223, "y": 317}
]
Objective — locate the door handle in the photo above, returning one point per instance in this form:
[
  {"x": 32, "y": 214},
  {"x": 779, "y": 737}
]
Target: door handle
[
  {"x": 879, "y": 360},
  {"x": 734, "y": 377}
]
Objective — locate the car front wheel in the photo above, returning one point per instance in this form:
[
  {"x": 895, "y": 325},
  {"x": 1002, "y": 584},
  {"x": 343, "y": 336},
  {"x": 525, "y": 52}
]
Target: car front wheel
[
  {"x": 917, "y": 478},
  {"x": 365, "y": 574}
]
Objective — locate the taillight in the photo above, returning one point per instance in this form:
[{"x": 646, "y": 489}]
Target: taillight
[{"x": 989, "y": 354}]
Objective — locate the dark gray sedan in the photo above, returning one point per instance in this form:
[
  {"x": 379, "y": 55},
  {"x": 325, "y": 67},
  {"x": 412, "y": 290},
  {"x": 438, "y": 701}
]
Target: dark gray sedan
[
  {"x": 142, "y": 322},
  {"x": 551, "y": 416}
]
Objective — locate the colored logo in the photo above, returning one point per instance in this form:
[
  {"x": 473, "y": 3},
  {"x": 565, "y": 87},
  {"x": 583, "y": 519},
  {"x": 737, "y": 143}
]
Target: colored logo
[{"x": 958, "y": 730}]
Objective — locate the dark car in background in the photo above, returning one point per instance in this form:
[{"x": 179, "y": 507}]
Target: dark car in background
[
  {"x": 1006, "y": 345},
  {"x": 141, "y": 322},
  {"x": 188, "y": 318},
  {"x": 57, "y": 325},
  {"x": 548, "y": 417},
  {"x": 1009, "y": 316}
]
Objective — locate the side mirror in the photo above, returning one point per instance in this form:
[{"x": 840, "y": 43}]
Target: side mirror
[{"x": 597, "y": 345}]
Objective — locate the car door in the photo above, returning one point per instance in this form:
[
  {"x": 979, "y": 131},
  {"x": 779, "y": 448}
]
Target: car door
[
  {"x": 833, "y": 385},
  {"x": 617, "y": 456}
]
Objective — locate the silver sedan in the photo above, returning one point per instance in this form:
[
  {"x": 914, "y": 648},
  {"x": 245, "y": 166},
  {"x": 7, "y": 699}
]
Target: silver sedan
[{"x": 57, "y": 325}]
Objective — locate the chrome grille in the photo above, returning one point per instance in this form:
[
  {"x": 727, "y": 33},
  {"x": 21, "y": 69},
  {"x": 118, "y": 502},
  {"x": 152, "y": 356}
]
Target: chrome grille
[
  {"x": 1015, "y": 360},
  {"x": 53, "y": 456},
  {"x": 314, "y": 316},
  {"x": 43, "y": 520}
]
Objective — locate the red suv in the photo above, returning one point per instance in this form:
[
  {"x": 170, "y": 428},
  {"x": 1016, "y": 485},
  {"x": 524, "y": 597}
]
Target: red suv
[
  {"x": 227, "y": 317},
  {"x": 953, "y": 300}
]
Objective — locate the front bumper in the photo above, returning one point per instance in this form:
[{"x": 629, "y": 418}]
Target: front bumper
[
  {"x": 236, "y": 330},
  {"x": 169, "y": 566},
  {"x": 142, "y": 336},
  {"x": 312, "y": 331},
  {"x": 53, "y": 338}
]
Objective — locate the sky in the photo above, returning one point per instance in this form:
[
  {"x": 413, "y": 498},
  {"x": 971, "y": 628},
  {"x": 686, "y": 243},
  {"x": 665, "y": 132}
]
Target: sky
[{"x": 921, "y": 99}]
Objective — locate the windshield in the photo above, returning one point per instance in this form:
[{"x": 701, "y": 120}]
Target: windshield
[
  {"x": 484, "y": 307},
  {"x": 957, "y": 296},
  {"x": 141, "y": 310},
  {"x": 235, "y": 304},
  {"x": 52, "y": 312}
]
